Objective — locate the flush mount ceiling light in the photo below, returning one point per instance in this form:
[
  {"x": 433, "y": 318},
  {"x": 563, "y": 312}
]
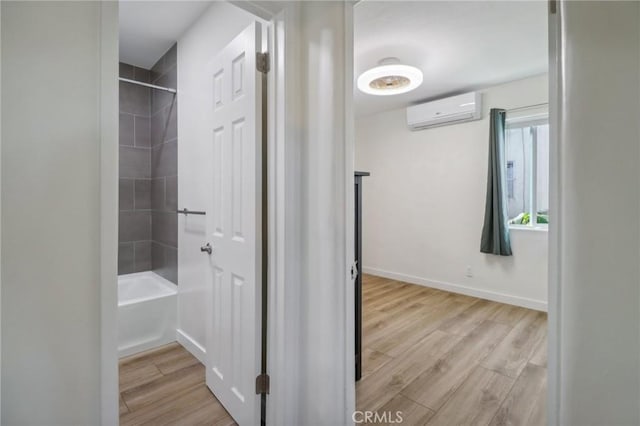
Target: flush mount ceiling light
[{"x": 390, "y": 78}]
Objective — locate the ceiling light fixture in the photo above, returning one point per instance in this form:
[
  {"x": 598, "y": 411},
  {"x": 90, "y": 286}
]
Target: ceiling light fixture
[{"x": 390, "y": 78}]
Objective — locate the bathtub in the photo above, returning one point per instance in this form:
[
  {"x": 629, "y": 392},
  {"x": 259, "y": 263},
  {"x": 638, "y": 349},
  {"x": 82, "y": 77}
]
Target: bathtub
[{"x": 147, "y": 311}]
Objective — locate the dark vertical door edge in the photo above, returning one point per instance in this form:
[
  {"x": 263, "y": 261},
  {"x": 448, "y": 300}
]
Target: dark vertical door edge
[
  {"x": 265, "y": 246},
  {"x": 358, "y": 281}
]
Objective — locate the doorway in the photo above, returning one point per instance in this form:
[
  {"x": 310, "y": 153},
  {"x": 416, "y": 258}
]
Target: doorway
[
  {"x": 442, "y": 322},
  {"x": 191, "y": 226}
]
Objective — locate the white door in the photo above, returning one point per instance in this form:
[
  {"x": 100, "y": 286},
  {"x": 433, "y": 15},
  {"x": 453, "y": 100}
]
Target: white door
[{"x": 233, "y": 228}]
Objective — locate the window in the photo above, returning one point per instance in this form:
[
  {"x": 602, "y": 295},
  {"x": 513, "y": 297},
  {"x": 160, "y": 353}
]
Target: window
[{"x": 527, "y": 170}]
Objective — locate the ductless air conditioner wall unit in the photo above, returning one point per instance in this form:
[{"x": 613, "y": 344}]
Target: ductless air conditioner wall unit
[{"x": 453, "y": 110}]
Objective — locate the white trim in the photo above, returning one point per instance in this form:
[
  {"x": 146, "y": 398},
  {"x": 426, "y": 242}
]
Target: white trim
[
  {"x": 0, "y": 209},
  {"x": 190, "y": 344},
  {"x": 527, "y": 120},
  {"x": 262, "y": 9},
  {"x": 283, "y": 310},
  {"x": 538, "y": 305},
  {"x": 292, "y": 399},
  {"x": 533, "y": 184},
  {"x": 556, "y": 47},
  {"x": 145, "y": 346},
  {"x": 349, "y": 220},
  {"x": 535, "y": 228},
  {"x": 109, "y": 411}
]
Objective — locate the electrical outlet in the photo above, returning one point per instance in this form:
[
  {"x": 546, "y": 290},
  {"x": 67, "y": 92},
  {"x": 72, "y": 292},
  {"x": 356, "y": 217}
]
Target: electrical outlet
[{"x": 469, "y": 272}]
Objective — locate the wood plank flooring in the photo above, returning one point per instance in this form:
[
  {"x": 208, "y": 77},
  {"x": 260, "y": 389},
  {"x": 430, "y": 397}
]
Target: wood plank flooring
[
  {"x": 439, "y": 358},
  {"x": 165, "y": 386},
  {"x": 448, "y": 359}
]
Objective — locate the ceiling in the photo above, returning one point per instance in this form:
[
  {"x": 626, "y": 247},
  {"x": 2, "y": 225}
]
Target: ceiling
[
  {"x": 459, "y": 45},
  {"x": 149, "y": 28}
]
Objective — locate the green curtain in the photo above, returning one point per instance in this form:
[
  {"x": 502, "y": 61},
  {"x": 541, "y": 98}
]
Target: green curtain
[{"x": 495, "y": 232}]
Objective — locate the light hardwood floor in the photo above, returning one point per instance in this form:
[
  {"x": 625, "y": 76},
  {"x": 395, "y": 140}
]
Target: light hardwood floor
[
  {"x": 439, "y": 358},
  {"x": 165, "y": 386},
  {"x": 448, "y": 359}
]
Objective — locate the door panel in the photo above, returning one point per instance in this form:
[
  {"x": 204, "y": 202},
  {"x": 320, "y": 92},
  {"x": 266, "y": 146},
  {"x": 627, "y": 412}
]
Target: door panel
[{"x": 233, "y": 337}]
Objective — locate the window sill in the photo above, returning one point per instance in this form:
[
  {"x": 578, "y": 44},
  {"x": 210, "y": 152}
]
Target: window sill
[{"x": 537, "y": 228}]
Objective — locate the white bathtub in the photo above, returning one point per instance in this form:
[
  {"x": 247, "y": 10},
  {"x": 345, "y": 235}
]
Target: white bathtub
[{"x": 147, "y": 311}]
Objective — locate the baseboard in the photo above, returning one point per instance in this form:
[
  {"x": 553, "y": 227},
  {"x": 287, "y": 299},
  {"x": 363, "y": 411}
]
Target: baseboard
[
  {"x": 191, "y": 345},
  {"x": 144, "y": 346},
  {"x": 538, "y": 305}
]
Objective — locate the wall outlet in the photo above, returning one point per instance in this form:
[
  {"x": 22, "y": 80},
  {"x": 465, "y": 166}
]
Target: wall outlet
[{"x": 469, "y": 272}]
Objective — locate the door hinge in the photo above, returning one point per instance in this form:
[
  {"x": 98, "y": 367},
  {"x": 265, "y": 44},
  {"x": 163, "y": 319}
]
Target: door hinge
[
  {"x": 553, "y": 4},
  {"x": 262, "y": 62},
  {"x": 262, "y": 384},
  {"x": 354, "y": 270}
]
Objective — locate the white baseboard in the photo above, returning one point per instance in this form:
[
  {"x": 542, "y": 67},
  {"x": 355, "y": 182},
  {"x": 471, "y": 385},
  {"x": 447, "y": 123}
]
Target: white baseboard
[
  {"x": 538, "y": 305},
  {"x": 192, "y": 346},
  {"x": 145, "y": 345}
]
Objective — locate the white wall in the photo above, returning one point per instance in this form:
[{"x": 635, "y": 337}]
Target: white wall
[
  {"x": 424, "y": 204},
  {"x": 326, "y": 229},
  {"x": 595, "y": 326},
  {"x": 109, "y": 163},
  {"x": 197, "y": 46},
  {"x": 0, "y": 214},
  {"x": 52, "y": 142},
  {"x": 311, "y": 360}
]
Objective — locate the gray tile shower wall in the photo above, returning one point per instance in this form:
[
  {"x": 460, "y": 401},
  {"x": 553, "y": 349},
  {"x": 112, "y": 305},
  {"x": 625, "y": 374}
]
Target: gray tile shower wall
[
  {"x": 164, "y": 168},
  {"x": 135, "y": 221}
]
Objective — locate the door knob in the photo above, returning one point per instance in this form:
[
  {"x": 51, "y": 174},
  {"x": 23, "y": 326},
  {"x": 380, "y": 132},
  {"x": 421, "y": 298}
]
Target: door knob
[{"x": 206, "y": 248}]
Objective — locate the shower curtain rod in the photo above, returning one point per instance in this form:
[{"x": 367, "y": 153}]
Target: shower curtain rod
[
  {"x": 528, "y": 107},
  {"x": 153, "y": 86}
]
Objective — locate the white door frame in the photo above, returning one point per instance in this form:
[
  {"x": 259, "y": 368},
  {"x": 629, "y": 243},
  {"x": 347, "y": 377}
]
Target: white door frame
[
  {"x": 555, "y": 100},
  {"x": 109, "y": 57},
  {"x": 285, "y": 212},
  {"x": 553, "y": 285},
  {"x": 109, "y": 190},
  {"x": 288, "y": 284},
  {"x": 109, "y": 167}
]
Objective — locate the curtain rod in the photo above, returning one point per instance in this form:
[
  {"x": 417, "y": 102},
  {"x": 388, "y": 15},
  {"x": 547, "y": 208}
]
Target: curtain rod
[
  {"x": 528, "y": 107},
  {"x": 153, "y": 86}
]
